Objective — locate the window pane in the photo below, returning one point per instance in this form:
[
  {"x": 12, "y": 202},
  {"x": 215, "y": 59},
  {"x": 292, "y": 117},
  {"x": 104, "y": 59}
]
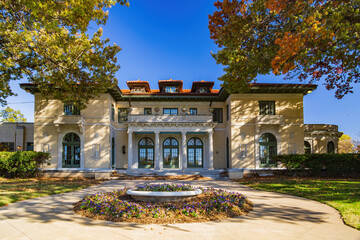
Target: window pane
[
  {"x": 167, "y": 111},
  {"x": 122, "y": 114},
  {"x": 147, "y": 111},
  {"x": 199, "y": 156},
  {"x": 174, "y": 111},
  {"x": 217, "y": 115},
  {"x": 174, "y": 142},
  {"x": 191, "y": 142},
  {"x": 191, "y": 156},
  {"x": 167, "y": 142},
  {"x": 193, "y": 111},
  {"x": 267, "y": 107}
]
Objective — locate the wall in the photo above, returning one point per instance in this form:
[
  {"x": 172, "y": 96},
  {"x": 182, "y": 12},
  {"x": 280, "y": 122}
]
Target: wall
[{"x": 246, "y": 129}]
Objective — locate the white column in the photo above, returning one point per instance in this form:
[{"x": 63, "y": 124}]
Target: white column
[
  {"x": 157, "y": 150},
  {"x": 183, "y": 147},
  {"x": 211, "y": 151},
  {"x": 130, "y": 150}
]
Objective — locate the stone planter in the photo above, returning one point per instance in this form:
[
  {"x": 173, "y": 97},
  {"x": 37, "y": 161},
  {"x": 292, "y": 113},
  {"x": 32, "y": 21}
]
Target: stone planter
[{"x": 150, "y": 196}]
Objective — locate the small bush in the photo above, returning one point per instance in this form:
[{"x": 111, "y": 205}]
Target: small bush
[
  {"x": 22, "y": 164},
  {"x": 335, "y": 165}
]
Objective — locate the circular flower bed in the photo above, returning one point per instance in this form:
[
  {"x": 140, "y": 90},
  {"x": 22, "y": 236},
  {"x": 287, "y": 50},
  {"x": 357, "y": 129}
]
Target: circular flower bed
[{"x": 117, "y": 206}]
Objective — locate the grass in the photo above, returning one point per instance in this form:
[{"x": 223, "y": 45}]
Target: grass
[
  {"x": 342, "y": 194},
  {"x": 19, "y": 189}
]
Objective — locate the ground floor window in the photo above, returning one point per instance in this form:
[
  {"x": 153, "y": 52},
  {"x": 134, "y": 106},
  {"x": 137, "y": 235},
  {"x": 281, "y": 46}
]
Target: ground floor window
[
  {"x": 331, "y": 147},
  {"x": 268, "y": 148},
  {"x": 195, "y": 153},
  {"x": 146, "y": 153},
  {"x": 71, "y": 151},
  {"x": 307, "y": 147},
  {"x": 171, "y": 153}
]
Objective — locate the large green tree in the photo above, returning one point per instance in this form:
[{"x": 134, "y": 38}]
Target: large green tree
[
  {"x": 48, "y": 43},
  {"x": 307, "y": 39},
  {"x": 11, "y": 115}
]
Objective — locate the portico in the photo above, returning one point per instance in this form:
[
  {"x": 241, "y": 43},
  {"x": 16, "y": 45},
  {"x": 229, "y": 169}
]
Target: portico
[{"x": 180, "y": 144}]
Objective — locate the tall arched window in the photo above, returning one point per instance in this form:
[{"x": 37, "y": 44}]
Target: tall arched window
[
  {"x": 307, "y": 147},
  {"x": 195, "y": 153},
  {"x": 268, "y": 148},
  {"x": 171, "y": 153},
  {"x": 330, "y": 147},
  {"x": 71, "y": 151},
  {"x": 146, "y": 153}
]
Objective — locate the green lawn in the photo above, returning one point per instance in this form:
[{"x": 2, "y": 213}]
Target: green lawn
[
  {"x": 14, "y": 190},
  {"x": 344, "y": 195}
]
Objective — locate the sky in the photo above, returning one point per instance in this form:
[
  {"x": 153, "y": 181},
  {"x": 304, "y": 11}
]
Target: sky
[{"x": 163, "y": 39}]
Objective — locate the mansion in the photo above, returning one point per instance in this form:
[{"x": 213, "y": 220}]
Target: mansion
[{"x": 144, "y": 129}]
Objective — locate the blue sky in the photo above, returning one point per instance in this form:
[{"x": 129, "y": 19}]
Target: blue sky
[{"x": 164, "y": 39}]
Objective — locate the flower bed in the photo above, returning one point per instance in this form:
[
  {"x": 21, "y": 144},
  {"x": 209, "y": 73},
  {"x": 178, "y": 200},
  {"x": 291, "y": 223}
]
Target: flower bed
[{"x": 117, "y": 206}]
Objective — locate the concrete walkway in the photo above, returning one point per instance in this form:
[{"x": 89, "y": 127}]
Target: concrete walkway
[{"x": 275, "y": 216}]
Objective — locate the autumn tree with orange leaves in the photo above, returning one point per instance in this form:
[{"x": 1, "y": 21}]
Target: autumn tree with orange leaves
[{"x": 305, "y": 39}]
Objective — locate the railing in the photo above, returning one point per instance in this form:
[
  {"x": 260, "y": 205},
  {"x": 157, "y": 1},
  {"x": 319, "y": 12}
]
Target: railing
[
  {"x": 270, "y": 119},
  {"x": 170, "y": 118}
]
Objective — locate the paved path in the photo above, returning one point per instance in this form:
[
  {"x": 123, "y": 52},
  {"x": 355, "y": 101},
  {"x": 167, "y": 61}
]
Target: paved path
[{"x": 275, "y": 216}]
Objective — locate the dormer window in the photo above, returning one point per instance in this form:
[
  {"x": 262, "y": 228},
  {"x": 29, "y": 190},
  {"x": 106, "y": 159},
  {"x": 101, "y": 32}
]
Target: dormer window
[
  {"x": 171, "y": 89},
  {"x": 138, "y": 90},
  {"x": 203, "y": 90}
]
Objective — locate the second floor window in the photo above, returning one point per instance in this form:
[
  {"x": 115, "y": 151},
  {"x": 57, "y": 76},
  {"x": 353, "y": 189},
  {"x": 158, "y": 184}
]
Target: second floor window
[
  {"x": 71, "y": 109},
  {"x": 112, "y": 113},
  {"x": 203, "y": 90},
  {"x": 267, "y": 107},
  {"x": 193, "y": 111},
  {"x": 122, "y": 115},
  {"x": 147, "y": 111},
  {"x": 227, "y": 112},
  {"x": 218, "y": 115},
  {"x": 170, "y": 111}
]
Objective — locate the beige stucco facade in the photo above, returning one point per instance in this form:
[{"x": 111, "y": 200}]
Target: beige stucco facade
[{"x": 234, "y": 140}]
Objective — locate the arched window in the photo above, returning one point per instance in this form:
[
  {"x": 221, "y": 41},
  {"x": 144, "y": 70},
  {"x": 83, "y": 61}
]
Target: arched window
[
  {"x": 195, "y": 153},
  {"x": 307, "y": 147},
  {"x": 268, "y": 148},
  {"x": 146, "y": 153},
  {"x": 71, "y": 151},
  {"x": 171, "y": 153},
  {"x": 330, "y": 147}
]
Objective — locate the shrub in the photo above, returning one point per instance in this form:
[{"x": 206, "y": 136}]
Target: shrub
[
  {"x": 22, "y": 164},
  {"x": 337, "y": 165}
]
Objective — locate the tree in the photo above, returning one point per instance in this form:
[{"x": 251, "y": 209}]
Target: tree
[
  {"x": 48, "y": 43},
  {"x": 307, "y": 39},
  {"x": 11, "y": 115},
  {"x": 346, "y": 144}
]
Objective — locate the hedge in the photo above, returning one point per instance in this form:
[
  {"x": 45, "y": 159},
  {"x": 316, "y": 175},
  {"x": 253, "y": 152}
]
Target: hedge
[
  {"x": 338, "y": 165},
  {"x": 22, "y": 164}
]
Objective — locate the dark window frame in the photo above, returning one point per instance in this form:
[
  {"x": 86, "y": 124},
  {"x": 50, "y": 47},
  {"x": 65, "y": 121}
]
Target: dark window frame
[
  {"x": 121, "y": 117},
  {"x": 220, "y": 115},
  {"x": 227, "y": 112},
  {"x": 147, "y": 109},
  {"x": 112, "y": 112},
  {"x": 71, "y": 110},
  {"x": 171, "y": 111},
  {"x": 267, "y": 108},
  {"x": 191, "y": 111}
]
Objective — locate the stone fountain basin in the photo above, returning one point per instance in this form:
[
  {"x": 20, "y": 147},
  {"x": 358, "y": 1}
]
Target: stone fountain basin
[{"x": 151, "y": 196}]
